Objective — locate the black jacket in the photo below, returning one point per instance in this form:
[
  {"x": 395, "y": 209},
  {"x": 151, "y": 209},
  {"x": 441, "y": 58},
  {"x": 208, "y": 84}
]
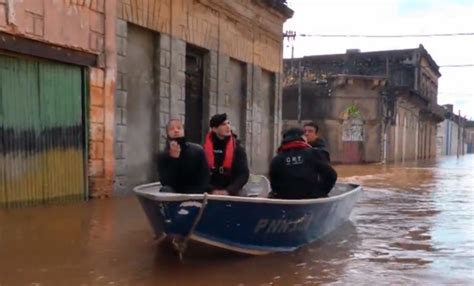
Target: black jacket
[
  {"x": 187, "y": 174},
  {"x": 300, "y": 174},
  {"x": 239, "y": 174},
  {"x": 322, "y": 151}
]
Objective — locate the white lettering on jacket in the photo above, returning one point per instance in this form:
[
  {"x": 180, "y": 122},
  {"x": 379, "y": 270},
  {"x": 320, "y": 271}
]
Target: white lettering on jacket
[{"x": 294, "y": 160}]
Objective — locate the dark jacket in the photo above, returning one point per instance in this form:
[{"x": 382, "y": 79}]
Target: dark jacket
[
  {"x": 238, "y": 176},
  {"x": 322, "y": 151},
  {"x": 300, "y": 174},
  {"x": 187, "y": 174}
]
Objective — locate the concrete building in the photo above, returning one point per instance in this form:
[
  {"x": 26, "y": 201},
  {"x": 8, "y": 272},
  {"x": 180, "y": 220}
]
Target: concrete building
[
  {"x": 469, "y": 137},
  {"x": 87, "y": 87},
  {"x": 192, "y": 59},
  {"x": 451, "y": 134},
  {"x": 371, "y": 106}
]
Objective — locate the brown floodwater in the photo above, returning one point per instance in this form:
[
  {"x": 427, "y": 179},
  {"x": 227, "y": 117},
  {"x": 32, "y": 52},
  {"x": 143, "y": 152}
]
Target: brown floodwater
[{"x": 414, "y": 225}]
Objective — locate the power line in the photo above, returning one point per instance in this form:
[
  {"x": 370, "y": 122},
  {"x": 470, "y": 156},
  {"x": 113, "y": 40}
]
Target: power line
[
  {"x": 386, "y": 36},
  {"x": 455, "y": 93},
  {"x": 457, "y": 66}
]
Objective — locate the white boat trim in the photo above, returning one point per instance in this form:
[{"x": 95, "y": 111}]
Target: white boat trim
[
  {"x": 171, "y": 197},
  {"x": 229, "y": 247}
]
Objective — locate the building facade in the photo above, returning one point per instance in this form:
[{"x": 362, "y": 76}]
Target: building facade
[
  {"x": 371, "y": 106},
  {"x": 451, "y": 134},
  {"x": 87, "y": 87},
  {"x": 469, "y": 137},
  {"x": 191, "y": 59}
]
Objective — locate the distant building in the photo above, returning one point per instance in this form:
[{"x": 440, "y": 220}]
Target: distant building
[
  {"x": 469, "y": 130},
  {"x": 371, "y": 106},
  {"x": 451, "y": 134}
]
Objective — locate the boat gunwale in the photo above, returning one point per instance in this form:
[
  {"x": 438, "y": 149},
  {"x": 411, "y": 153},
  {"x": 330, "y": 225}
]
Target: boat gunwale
[{"x": 174, "y": 197}]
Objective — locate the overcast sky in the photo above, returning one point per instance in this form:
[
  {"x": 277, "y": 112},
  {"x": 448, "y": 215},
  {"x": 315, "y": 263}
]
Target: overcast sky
[{"x": 388, "y": 17}]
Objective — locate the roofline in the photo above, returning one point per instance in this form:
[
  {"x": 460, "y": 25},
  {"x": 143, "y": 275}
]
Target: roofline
[
  {"x": 421, "y": 48},
  {"x": 279, "y": 6},
  {"x": 358, "y": 76}
]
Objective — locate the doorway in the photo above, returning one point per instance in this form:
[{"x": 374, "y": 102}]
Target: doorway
[{"x": 193, "y": 122}]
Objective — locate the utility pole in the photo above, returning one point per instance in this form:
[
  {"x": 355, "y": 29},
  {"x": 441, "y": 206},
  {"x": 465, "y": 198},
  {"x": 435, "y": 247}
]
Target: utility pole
[
  {"x": 291, "y": 35},
  {"x": 459, "y": 133},
  {"x": 300, "y": 71}
]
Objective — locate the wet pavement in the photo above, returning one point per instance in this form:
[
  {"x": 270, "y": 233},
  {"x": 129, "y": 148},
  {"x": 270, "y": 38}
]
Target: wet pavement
[{"x": 414, "y": 225}]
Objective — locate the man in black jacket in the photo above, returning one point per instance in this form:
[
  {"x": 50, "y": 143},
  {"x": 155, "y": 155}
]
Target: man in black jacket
[
  {"x": 226, "y": 158},
  {"x": 297, "y": 172},
  {"x": 311, "y": 131},
  {"x": 182, "y": 166}
]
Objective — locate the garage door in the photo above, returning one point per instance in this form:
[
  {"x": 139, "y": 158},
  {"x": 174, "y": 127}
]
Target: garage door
[{"x": 41, "y": 132}]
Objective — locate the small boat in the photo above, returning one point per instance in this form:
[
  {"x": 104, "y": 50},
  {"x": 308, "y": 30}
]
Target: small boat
[{"x": 252, "y": 223}]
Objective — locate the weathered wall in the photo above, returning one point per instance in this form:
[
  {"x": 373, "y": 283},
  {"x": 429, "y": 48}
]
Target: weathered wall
[
  {"x": 328, "y": 104},
  {"x": 138, "y": 114},
  {"x": 448, "y": 135},
  {"x": 234, "y": 95},
  {"x": 469, "y": 141},
  {"x": 404, "y": 141},
  {"x": 237, "y": 47},
  {"x": 77, "y": 25},
  {"x": 215, "y": 25},
  {"x": 45, "y": 20},
  {"x": 410, "y": 95}
]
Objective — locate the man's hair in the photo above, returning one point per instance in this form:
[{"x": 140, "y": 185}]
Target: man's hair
[
  {"x": 312, "y": 124},
  {"x": 174, "y": 119}
]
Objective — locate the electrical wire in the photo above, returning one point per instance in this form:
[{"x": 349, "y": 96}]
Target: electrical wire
[{"x": 386, "y": 36}]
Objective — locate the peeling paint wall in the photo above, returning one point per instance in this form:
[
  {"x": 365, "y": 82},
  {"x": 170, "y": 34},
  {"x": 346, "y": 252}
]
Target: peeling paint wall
[
  {"x": 76, "y": 25},
  {"x": 327, "y": 105},
  {"x": 412, "y": 80},
  {"x": 239, "y": 29},
  {"x": 241, "y": 47}
]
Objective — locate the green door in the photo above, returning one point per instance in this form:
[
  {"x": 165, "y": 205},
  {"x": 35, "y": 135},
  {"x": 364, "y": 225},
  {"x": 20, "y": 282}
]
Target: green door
[{"x": 41, "y": 132}]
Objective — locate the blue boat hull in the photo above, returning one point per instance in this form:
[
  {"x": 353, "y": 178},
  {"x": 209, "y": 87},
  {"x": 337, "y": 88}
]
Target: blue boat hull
[{"x": 244, "y": 224}]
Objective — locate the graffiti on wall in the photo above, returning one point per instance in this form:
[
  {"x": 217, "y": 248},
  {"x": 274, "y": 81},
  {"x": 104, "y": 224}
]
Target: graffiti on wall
[{"x": 353, "y": 125}]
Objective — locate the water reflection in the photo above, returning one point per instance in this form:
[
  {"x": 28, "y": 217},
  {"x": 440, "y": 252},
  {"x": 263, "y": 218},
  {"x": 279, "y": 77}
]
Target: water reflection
[
  {"x": 413, "y": 225},
  {"x": 323, "y": 261}
]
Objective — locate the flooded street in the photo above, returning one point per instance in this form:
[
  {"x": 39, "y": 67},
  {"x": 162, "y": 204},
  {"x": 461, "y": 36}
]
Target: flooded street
[{"x": 414, "y": 225}]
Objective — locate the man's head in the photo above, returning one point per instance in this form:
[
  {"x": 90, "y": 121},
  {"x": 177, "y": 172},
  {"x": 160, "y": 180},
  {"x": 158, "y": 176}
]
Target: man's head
[
  {"x": 220, "y": 125},
  {"x": 311, "y": 131},
  {"x": 175, "y": 129},
  {"x": 293, "y": 134}
]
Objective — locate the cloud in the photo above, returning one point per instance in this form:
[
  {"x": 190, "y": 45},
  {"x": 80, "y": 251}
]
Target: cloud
[{"x": 393, "y": 17}]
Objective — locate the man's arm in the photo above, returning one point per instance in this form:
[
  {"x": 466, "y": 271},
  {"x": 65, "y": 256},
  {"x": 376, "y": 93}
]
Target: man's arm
[
  {"x": 274, "y": 177},
  {"x": 240, "y": 171},
  {"x": 167, "y": 169},
  {"x": 203, "y": 173},
  {"x": 328, "y": 176}
]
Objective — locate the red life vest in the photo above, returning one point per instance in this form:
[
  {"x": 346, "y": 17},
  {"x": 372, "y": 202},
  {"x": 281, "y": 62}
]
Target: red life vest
[
  {"x": 228, "y": 153},
  {"x": 298, "y": 145}
]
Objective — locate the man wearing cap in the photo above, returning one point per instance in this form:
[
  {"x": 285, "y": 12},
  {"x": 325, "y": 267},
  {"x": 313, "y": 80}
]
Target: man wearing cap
[
  {"x": 226, "y": 158},
  {"x": 297, "y": 171}
]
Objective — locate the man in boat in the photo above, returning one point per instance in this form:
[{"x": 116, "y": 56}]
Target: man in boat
[
  {"x": 226, "y": 158},
  {"x": 297, "y": 172},
  {"x": 182, "y": 166},
  {"x": 311, "y": 131}
]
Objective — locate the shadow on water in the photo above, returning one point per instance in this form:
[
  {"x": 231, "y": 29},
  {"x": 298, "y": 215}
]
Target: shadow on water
[{"x": 322, "y": 261}]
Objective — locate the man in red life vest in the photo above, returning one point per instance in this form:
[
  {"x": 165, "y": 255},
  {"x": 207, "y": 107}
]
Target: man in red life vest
[{"x": 226, "y": 158}]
